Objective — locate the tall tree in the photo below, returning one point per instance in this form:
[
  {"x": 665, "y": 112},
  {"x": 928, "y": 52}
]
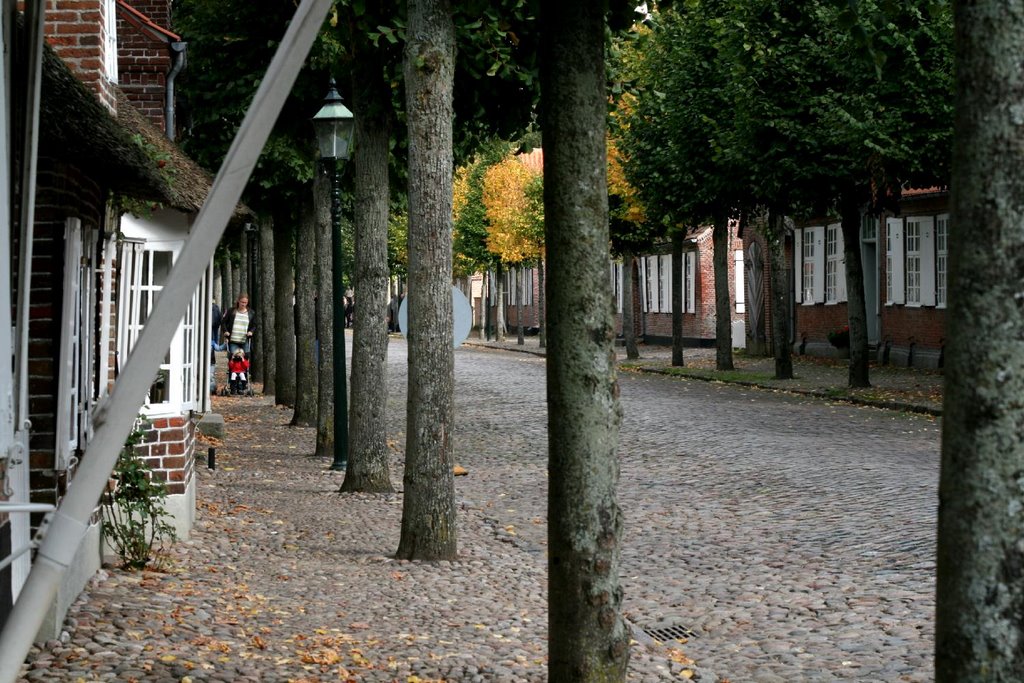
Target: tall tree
[
  {"x": 367, "y": 468},
  {"x": 587, "y": 636},
  {"x": 980, "y": 588},
  {"x": 306, "y": 397},
  {"x": 428, "y": 504},
  {"x": 284, "y": 303},
  {"x": 324, "y": 313},
  {"x": 268, "y": 314}
]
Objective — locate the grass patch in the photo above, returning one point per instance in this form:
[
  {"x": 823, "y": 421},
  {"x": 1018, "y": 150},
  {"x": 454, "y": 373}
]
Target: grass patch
[{"x": 720, "y": 375}]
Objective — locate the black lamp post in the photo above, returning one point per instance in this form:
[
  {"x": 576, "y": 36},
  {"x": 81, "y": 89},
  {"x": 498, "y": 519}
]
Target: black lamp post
[{"x": 334, "y": 128}]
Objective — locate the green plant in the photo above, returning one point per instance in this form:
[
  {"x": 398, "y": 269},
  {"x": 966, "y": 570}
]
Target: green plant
[
  {"x": 840, "y": 338},
  {"x": 133, "y": 507}
]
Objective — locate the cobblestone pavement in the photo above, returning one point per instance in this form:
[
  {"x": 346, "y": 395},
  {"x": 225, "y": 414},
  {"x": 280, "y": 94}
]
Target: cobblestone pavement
[{"x": 794, "y": 536}]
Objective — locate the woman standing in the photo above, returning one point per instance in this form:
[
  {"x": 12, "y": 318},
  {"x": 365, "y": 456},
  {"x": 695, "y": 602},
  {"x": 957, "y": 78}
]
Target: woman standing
[{"x": 238, "y": 325}]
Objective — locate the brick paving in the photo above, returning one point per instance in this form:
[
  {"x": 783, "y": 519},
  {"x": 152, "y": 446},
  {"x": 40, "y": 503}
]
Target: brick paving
[{"x": 793, "y": 535}]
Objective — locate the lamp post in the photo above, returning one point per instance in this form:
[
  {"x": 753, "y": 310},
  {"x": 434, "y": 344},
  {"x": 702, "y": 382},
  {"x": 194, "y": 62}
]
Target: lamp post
[{"x": 334, "y": 128}]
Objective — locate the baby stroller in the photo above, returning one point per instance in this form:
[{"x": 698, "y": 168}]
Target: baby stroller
[{"x": 238, "y": 375}]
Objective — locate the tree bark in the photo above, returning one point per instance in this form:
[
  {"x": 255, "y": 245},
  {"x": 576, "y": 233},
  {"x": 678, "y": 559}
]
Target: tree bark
[
  {"x": 228, "y": 283},
  {"x": 269, "y": 313},
  {"x": 368, "y": 469},
  {"x": 324, "y": 315},
  {"x": 428, "y": 509},
  {"x": 677, "y": 297},
  {"x": 285, "y": 317},
  {"x": 855, "y": 306},
  {"x": 256, "y": 295},
  {"x": 776, "y": 239},
  {"x": 520, "y": 336},
  {"x": 499, "y": 308},
  {"x": 588, "y": 639},
  {"x": 236, "y": 284},
  {"x": 980, "y": 586},
  {"x": 723, "y": 304},
  {"x": 305, "y": 413},
  {"x": 243, "y": 264},
  {"x": 628, "y": 310},
  {"x": 542, "y": 333}
]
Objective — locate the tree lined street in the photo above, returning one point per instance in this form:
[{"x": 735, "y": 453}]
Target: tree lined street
[{"x": 794, "y": 535}]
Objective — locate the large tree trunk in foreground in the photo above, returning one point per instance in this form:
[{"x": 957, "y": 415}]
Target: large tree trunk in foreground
[
  {"x": 776, "y": 239},
  {"x": 628, "y": 311},
  {"x": 588, "y": 638},
  {"x": 723, "y": 304},
  {"x": 268, "y": 312},
  {"x": 368, "y": 453},
  {"x": 428, "y": 503},
  {"x": 499, "y": 309},
  {"x": 855, "y": 306},
  {"x": 980, "y": 589},
  {"x": 518, "y": 274},
  {"x": 285, "y": 317},
  {"x": 677, "y": 297},
  {"x": 324, "y": 314},
  {"x": 305, "y": 333}
]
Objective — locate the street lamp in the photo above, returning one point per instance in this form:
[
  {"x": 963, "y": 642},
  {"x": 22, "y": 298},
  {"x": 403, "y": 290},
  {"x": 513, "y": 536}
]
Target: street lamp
[{"x": 334, "y": 127}]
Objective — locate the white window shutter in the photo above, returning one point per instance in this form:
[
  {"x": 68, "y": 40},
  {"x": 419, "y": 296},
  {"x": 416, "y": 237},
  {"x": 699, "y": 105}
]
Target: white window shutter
[
  {"x": 67, "y": 390},
  {"x": 895, "y": 228},
  {"x": 841, "y": 270},
  {"x": 666, "y": 283},
  {"x": 798, "y": 263},
  {"x": 819, "y": 264},
  {"x": 741, "y": 294},
  {"x": 691, "y": 282},
  {"x": 642, "y": 264},
  {"x": 928, "y": 261}
]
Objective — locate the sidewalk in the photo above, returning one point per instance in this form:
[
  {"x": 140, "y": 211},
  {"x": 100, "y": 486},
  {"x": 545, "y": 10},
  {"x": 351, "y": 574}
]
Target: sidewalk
[{"x": 907, "y": 389}]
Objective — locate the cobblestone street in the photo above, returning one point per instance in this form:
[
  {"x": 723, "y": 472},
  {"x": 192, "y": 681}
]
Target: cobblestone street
[{"x": 793, "y": 536}]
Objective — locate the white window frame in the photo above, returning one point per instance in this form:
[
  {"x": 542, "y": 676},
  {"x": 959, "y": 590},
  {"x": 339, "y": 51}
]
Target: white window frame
[
  {"x": 615, "y": 271},
  {"x": 110, "y": 40},
  {"x": 798, "y": 260},
  {"x": 941, "y": 259},
  {"x": 69, "y": 370},
  {"x": 895, "y": 292},
  {"x": 808, "y": 263},
  {"x": 927, "y": 260},
  {"x": 833, "y": 235},
  {"x": 642, "y": 279},
  {"x": 913, "y": 232}
]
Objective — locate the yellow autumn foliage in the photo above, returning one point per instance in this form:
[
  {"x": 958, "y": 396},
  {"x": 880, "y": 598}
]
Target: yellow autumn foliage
[{"x": 515, "y": 223}]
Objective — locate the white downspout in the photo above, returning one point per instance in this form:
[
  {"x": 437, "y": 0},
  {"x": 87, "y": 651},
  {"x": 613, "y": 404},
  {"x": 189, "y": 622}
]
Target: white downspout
[{"x": 115, "y": 416}]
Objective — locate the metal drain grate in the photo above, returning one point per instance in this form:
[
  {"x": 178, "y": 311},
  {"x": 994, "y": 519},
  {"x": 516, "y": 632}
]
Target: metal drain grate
[{"x": 664, "y": 634}]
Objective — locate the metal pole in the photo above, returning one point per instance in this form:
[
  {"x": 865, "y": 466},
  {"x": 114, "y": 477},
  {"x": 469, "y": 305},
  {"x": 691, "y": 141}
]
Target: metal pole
[
  {"x": 340, "y": 463},
  {"x": 115, "y": 415}
]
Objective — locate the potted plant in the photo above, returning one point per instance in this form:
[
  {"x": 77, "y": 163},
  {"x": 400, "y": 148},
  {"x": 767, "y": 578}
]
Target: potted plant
[{"x": 840, "y": 337}]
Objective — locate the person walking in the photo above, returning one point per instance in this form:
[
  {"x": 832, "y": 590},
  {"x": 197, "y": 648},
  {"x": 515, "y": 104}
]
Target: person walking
[{"x": 238, "y": 325}]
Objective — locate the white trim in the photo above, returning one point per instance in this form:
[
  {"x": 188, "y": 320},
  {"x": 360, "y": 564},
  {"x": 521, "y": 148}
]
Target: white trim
[
  {"x": 665, "y": 282},
  {"x": 928, "y": 261},
  {"x": 819, "y": 263},
  {"x": 110, "y": 40},
  {"x": 833, "y": 251},
  {"x": 741, "y": 288},
  {"x": 798, "y": 260},
  {"x": 106, "y": 315},
  {"x": 644, "y": 301}
]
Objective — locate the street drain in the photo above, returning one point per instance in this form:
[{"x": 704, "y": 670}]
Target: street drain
[{"x": 664, "y": 634}]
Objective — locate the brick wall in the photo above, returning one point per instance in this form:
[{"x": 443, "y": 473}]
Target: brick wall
[
  {"x": 143, "y": 62},
  {"x": 62, "y": 191},
  {"x": 77, "y": 31},
  {"x": 169, "y": 450}
]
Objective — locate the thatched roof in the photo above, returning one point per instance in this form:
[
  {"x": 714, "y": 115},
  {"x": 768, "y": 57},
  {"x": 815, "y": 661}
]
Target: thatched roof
[
  {"x": 189, "y": 182},
  {"x": 74, "y": 126}
]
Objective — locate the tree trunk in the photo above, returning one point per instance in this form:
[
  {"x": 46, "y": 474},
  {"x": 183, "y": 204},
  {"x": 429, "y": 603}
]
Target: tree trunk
[
  {"x": 236, "y": 284},
  {"x": 677, "y": 297},
  {"x": 229, "y": 282},
  {"x": 499, "y": 308},
  {"x": 855, "y": 305},
  {"x": 218, "y": 285},
  {"x": 428, "y": 504},
  {"x": 588, "y": 639},
  {"x": 723, "y": 304},
  {"x": 980, "y": 586},
  {"x": 485, "y": 307},
  {"x": 305, "y": 290},
  {"x": 628, "y": 310},
  {"x": 324, "y": 315},
  {"x": 243, "y": 264},
  {"x": 368, "y": 453},
  {"x": 542, "y": 333},
  {"x": 285, "y": 316},
  {"x": 520, "y": 336},
  {"x": 269, "y": 312},
  {"x": 776, "y": 239},
  {"x": 256, "y": 291}
]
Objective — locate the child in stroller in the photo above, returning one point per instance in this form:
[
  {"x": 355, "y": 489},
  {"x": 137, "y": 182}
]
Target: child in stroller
[{"x": 238, "y": 373}]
